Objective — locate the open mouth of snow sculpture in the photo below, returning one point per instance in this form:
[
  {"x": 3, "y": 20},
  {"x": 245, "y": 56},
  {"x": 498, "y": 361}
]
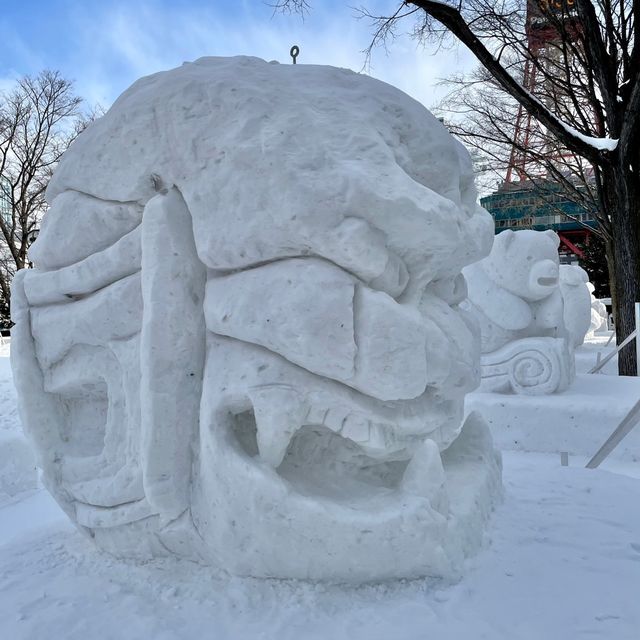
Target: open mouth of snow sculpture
[
  {"x": 330, "y": 452},
  {"x": 249, "y": 350}
]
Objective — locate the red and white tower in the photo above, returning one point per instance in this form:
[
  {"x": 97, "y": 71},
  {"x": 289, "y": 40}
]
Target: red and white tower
[{"x": 548, "y": 24}]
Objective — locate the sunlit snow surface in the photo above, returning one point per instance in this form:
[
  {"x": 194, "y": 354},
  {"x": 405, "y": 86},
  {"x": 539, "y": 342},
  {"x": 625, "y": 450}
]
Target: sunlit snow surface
[
  {"x": 562, "y": 562},
  {"x": 252, "y": 354}
]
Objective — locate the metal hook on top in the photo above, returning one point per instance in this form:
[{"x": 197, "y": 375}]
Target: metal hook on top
[{"x": 294, "y": 51}]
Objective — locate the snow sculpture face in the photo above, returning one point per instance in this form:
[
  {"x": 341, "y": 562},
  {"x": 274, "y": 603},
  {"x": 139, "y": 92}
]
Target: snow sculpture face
[
  {"x": 515, "y": 295},
  {"x": 525, "y": 263},
  {"x": 244, "y": 340}
]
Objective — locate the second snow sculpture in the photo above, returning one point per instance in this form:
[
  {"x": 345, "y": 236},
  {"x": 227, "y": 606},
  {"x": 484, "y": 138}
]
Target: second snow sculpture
[
  {"x": 599, "y": 314},
  {"x": 576, "y": 296},
  {"x": 515, "y": 295},
  {"x": 242, "y": 344}
]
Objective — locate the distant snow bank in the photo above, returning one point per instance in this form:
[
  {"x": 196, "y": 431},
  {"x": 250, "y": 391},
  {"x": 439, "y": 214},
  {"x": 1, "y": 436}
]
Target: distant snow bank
[
  {"x": 578, "y": 420},
  {"x": 595, "y": 349},
  {"x": 17, "y": 462}
]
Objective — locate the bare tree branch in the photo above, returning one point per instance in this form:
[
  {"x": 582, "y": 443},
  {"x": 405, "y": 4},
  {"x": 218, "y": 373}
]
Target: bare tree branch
[{"x": 39, "y": 118}]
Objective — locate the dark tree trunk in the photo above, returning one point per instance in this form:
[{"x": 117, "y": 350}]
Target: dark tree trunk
[
  {"x": 610, "y": 255},
  {"x": 622, "y": 199}
]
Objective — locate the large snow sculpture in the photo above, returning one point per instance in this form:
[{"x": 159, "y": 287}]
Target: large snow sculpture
[
  {"x": 576, "y": 297},
  {"x": 514, "y": 293},
  {"x": 242, "y": 343}
]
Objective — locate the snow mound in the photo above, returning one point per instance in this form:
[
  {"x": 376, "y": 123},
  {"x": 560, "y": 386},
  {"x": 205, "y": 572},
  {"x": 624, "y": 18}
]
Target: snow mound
[{"x": 18, "y": 471}]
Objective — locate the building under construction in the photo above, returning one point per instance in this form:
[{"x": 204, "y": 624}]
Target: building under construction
[{"x": 520, "y": 203}]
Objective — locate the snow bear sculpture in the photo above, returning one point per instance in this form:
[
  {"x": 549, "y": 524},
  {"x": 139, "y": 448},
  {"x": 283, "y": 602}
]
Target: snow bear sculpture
[
  {"x": 599, "y": 313},
  {"x": 515, "y": 295},
  {"x": 574, "y": 286},
  {"x": 241, "y": 343}
]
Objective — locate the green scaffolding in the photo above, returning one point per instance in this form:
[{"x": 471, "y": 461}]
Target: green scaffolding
[{"x": 537, "y": 209}]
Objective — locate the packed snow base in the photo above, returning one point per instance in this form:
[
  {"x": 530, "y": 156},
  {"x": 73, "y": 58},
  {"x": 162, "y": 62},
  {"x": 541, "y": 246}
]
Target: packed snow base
[
  {"x": 242, "y": 341},
  {"x": 563, "y": 562}
]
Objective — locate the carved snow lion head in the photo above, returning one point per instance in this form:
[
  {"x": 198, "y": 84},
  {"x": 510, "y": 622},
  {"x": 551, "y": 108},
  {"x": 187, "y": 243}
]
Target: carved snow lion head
[{"x": 241, "y": 342}]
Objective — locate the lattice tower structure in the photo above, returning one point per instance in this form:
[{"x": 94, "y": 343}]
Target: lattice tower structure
[{"x": 548, "y": 22}]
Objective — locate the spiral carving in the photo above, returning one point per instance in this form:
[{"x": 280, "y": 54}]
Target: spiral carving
[
  {"x": 535, "y": 372},
  {"x": 531, "y": 366}
]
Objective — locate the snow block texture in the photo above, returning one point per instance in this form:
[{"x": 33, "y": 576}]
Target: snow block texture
[{"x": 242, "y": 341}]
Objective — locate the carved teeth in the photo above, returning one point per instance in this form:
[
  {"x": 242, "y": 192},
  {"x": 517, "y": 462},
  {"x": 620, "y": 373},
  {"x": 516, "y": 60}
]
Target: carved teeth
[
  {"x": 377, "y": 439},
  {"x": 335, "y": 419},
  {"x": 424, "y": 476},
  {"x": 377, "y": 436},
  {"x": 278, "y": 413},
  {"x": 315, "y": 415},
  {"x": 356, "y": 428}
]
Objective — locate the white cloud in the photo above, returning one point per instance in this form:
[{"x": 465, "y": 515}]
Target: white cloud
[{"x": 111, "y": 47}]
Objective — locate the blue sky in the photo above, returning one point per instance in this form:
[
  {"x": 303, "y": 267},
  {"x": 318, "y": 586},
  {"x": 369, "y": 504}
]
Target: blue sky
[{"x": 104, "y": 45}]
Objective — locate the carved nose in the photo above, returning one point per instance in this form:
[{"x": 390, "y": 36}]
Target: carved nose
[{"x": 545, "y": 273}]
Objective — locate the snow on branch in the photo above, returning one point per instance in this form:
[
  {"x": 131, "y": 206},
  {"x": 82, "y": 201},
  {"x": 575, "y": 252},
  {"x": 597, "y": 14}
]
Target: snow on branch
[{"x": 454, "y": 21}]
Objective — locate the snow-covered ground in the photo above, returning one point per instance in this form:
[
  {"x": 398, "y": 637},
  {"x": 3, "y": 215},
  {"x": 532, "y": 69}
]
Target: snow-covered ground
[
  {"x": 596, "y": 347},
  {"x": 578, "y": 420},
  {"x": 561, "y": 561},
  {"x": 17, "y": 461}
]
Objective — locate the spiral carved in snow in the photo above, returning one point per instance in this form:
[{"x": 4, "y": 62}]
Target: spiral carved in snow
[{"x": 532, "y": 366}]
